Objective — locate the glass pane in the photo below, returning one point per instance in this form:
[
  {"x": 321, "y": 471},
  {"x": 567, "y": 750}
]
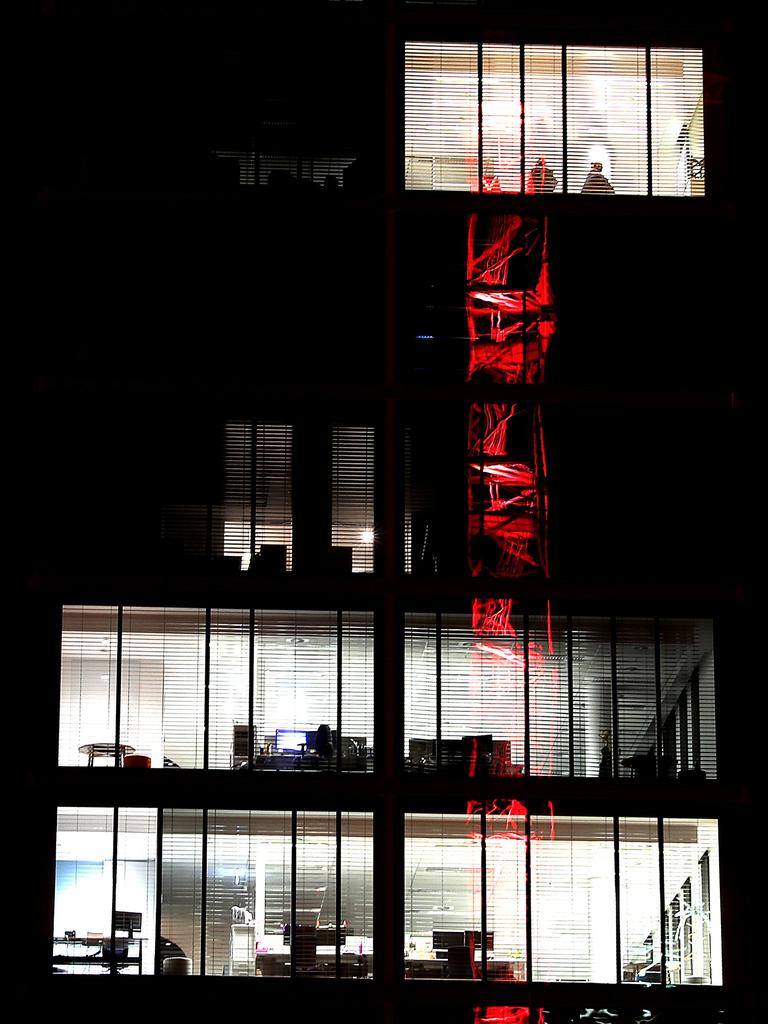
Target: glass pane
[
  {"x": 549, "y": 712},
  {"x": 357, "y": 895},
  {"x": 441, "y": 116},
  {"x": 88, "y": 686},
  {"x": 295, "y": 697},
  {"x": 501, "y": 118},
  {"x": 692, "y": 902},
  {"x": 543, "y": 119},
  {"x": 505, "y": 881},
  {"x": 639, "y": 900},
  {"x": 314, "y": 944},
  {"x": 483, "y": 699},
  {"x": 607, "y": 120},
  {"x": 442, "y": 895},
  {"x": 135, "y": 891},
  {"x": 573, "y": 900},
  {"x": 636, "y": 680},
  {"x": 248, "y": 904},
  {"x": 357, "y": 692},
  {"x": 352, "y": 514},
  {"x": 228, "y": 689},
  {"x": 83, "y": 901},
  {"x": 592, "y": 697},
  {"x": 677, "y": 122},
  {"x": 688, "y": 697},
  {"x": 420, "y": 691},
  {"x": 182, "y": 891}
]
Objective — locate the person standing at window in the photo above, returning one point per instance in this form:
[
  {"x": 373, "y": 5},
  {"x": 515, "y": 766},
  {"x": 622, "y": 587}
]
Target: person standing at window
[
  {"x": 541, "y": 178},
  {"x": 596, "y": 182}
]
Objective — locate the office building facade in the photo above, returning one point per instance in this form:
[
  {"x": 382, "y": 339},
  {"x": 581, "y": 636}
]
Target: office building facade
[{"x": 384, "y": 588}]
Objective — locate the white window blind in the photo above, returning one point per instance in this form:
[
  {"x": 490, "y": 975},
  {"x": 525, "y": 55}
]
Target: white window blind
[
  {"x": 228, "y": 688},
  {"x": 501, "y": 118},
  {"x": 182, "y": 885},
  {"x": 88, "y": 692},
  {"x": 506, "y": 898},
  {"x": 592, "y": 704},
  {"x": 677, "y": 122},
  {"x": 636, "y": 699},
  {"x": 352, "y": 513},
  {"x": 543, "y": 118},
  {"x": 257, "y": 506},
  {"x": 573, "y": 902},
  {"x": 639, "y": 899},
  {"x": 441, "y": 116},
  {"x": 548, "y": 696},
  {"x": 420, "y": 688},
  {"x": 163, "y": 684},
  {"x": 607, "y": 117}
]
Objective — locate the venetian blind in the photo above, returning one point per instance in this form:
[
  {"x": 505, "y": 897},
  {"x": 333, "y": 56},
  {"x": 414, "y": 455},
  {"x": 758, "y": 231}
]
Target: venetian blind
[{"x": 352, "y": 508}]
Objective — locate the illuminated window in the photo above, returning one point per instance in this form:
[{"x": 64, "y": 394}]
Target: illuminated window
[
  {"x": 521, "y": 118},
  {"x": 553, "y": 696},
  {"x": 477, "y": 884},
  {"x": 298, "y": 683}
]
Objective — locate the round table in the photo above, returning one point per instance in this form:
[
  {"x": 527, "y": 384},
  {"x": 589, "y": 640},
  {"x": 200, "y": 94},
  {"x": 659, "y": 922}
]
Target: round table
[{"x": 94, "y": 750}]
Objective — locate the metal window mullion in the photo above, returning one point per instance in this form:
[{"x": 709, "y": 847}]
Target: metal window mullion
[
  {"x": 339, "y": 682},
  {"x": 617, "y": 890},
  {"x": 251, "y": 684},
  {"x": 528, "y": 917},
  {"x": 338, "y": 894},
  {"x": 648, "y": 119},
  {"x": 564, "y": 79},
  {"x": 438, "y": 690},
  {"x": 569, "y": 656},
  {"x": 207, "y": 688},
  {"x": 614, "y": 702},
  {"x": 657, "y": 678},
  {"x": 204, "y": 892},
  {"x": 479, "y": 117},
  {"x": 113, "y": 909},
  {"x": 662, "y": 907},
  {"x": 521, "y": 57},
  {"x": 526, "y": 700},
  {"x": 158, "y": 887},
  {"x": 483, "y": 896},
  {"x": 294, "y": 840},
  {"x": 118, "y": 684}
]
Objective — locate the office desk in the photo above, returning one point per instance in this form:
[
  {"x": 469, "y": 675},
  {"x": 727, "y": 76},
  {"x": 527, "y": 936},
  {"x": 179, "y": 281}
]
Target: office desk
[
  {"x": 306, "y": 763},
  {"x": 276, "y": 965},
  {"x": 79, "y": 953},
  {"x": 94, "y": 750},
  {"x": 498, "y": 970}
]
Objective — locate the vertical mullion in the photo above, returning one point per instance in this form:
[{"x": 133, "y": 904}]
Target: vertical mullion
[
  {"x": 526, "y": 701},
  {"x": 657, "y": 676},
  {"x": 294, "y": 833},
  {"x": 521, "y": 56},
  {"x": 662, "y": 908},
  {"x": 118, "y": 684},
  {"x": 113, "y": 909},
  {"x": 438, "y": 690},
  {"x": 648, "y": 122},
  {"x": 571, "y": 751},
  {"x": 339, "y": 680},
  {"x": 479, "y": 117},
  {"x": 204, "y": 893},
  {"x": 614, "y": 702},
  {"x": 251, "y": 684},
  {"x": 483, "y": 897},
  {"x": 617, "y": 890},
  {"x": 207, "y": 688},
  {"x": 338, "y": 894},
  {"x": 528, "y": 886},
  {"x": 252, "y": 496},
  {"x": 564, "y": 77},
  {"x": 158, "y": 887}
]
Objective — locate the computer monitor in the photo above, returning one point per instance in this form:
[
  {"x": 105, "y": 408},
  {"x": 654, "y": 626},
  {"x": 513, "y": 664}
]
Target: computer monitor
[
  {"x": 441, "y": 940},
  {"x": 472, "y": 938},
  {"x": 290, "y": 740},
  {"x": 421, "y": 750},
  {"x": 128, "y": 921}
]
